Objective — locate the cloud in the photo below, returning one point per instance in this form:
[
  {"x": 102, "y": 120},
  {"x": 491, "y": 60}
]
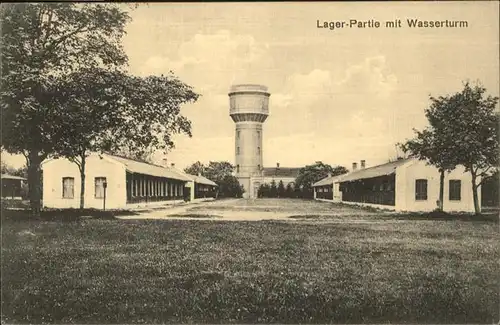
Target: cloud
[
  {"x": 359, "y": 103},
  {"x": 370, "y": 78},
  {"x": 215, "y": 60}
]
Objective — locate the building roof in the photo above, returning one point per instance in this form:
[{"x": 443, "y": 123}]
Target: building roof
[
  {"x": 201, "y": 180},
  {"x": 375, "y": 171},
  {"x": 329, "y": 180},
  {"x": 291, "y": 172},
  {"x": 140, "y": 167},
  {"x": 7, "y": 176}
]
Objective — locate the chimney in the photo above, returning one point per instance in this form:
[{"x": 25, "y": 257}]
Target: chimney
[
  {"x": 363, "y": 165},
  {"x": 354, "y": 166},
  {"x": 172, "y": 165}
]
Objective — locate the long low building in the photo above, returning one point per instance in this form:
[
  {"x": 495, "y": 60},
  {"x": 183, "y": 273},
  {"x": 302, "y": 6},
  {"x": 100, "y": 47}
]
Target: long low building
[
  {"x": 115, "y": 182},
  {"x": 201, "y": 188},
  {"x": 12, "y": 186},
  {"x": 401, "y": 185}
]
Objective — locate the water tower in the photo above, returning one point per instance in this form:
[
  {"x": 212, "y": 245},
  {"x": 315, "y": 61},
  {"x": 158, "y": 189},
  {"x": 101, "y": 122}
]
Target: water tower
[{"x": 249, "y": 108}]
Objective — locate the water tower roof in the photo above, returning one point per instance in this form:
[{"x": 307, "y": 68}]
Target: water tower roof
[{"x": 248, "y": 88}]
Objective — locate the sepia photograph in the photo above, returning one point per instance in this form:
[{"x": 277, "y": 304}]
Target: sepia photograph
[{"x": 302, "y": 162}]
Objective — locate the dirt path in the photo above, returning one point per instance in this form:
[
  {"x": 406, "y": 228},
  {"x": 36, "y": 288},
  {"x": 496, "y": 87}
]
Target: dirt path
[{"x": 261, "y": 209}]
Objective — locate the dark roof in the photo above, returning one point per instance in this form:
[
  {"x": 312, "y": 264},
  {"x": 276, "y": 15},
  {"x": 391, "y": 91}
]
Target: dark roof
[
  {"x": 375, "y": 171},
  {"x": 201, "y": 180},
  {"x": 329, "y": 180},
  {"x": 140, "y": 167},
  {"x": 7, "y": 176},
  {"x": 280, "y": 172}
]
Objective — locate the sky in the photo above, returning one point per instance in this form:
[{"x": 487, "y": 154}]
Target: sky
[{"x": 337, "y": 96}]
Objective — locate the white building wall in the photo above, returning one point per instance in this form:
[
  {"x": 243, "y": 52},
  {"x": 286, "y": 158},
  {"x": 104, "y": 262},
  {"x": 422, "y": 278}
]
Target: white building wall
[
  {"x": 55, "y": 170},
  {"x": 337, "y": 194},
  {"x": 405, "y": 188}
]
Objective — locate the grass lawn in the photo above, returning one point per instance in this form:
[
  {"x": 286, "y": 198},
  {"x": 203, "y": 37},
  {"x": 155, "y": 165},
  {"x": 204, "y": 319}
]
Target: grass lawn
[{"x": 178, "y": 271}]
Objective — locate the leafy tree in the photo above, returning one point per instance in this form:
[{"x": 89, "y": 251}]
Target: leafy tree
[
  {"x": 217, "y": 170},
  {"x": 230, "y": 187},
  {"x": 150, "y": 113},
  {"x": 264, "y": 190},
  {"x": 289, "y": 190},
  {"x": 260, "y": 190},
  {"x": 221, "y": 172},
  {"x": 131, "y": 153},
  {"x": 195, "y": 169},
  {"x": 429, "y": 145},
  {"x": 465, "y": 126},
  {"x": 41, "y": 42},
  {"x": 273, "y": 190},
  {"x": 7, "y": 169},
  {"x": 310, "y": 174},
  {"x": 281, "y": 189},
  {"x": 105, "y": 110},
  {"x": 91, "y": 108}
]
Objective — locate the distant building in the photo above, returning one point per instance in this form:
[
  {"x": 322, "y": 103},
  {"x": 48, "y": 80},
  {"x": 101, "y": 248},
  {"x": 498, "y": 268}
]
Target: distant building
[
  {"x": 285, "y": 174},
  {"x": 201, "y": 188},
  {"x": 401, "y": 185},
  {"x": 249, "y": 109},
  {"x": 119, "y": 183},
  {"x": 12, "y": 186}
]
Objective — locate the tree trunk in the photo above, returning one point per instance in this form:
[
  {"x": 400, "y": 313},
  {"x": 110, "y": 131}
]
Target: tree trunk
[
  {"x": 441, "y": 190},
  {"x": 34, "y": 174},
  {"x": 82, "y": 184},
  {"x": 477, "y": 207}
]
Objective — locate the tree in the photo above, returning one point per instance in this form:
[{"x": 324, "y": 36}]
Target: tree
[
  {"x": 289, "y": 190},
  {"x": 101, "y": 111},
  {"x": 41, "y": 42},
  {"x": 264, "y": 190},
  {"x": 430, "y": 145},
  {"x": 195, "y": 169},
  {"x": 7, "y": 169},
  {"x": 310, "y": 174},
  {"x": 221, "y": 172},
  {"x": 281, "y": 189},
  {"x": 465, "y": 126},
  {"x": 230, "y": 187},
  {"x": 273, "y": 190},
  {"x": 218, "y": 170},
  {"x": 131, "y": 153}
]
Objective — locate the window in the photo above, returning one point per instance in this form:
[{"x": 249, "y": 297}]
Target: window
[
  {"x": 99, "y": 187},
  {"x": 237, "y": 134},
  {"x": 258, "y": 167},
  {"x": 258, "y": 135},
  {"x": 68, "y": 187},
  {"x": 421, "y": 189},
  {"x": 238, "y": 150},
  {"x": 237, "y": 168},
  {"x": 258, "y": 150},
  {"x": 455, "y": 187}
]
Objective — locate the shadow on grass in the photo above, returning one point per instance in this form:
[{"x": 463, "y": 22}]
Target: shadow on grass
[
  {"x": 193, "y": 215},
  {"x": 434, "y": 215},
  {"x": 63, "y": 215}
]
